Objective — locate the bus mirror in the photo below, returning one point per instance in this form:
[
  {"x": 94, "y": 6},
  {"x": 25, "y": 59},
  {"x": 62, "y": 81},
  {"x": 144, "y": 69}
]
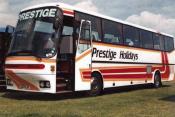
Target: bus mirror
[{"x": 58, "y": 21}]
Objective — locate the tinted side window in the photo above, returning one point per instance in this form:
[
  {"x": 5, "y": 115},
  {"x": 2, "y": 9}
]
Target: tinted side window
[
  {"x": 156, "y": 39},
  {"x": 131, "y": 36},
  {"x": 162, "y": 43},
  {"x": 169, "y": 44},
  {"x": 112, "y": 32},
  {"x": 95, "y": 23},
  {"x": 146, "y": 39}
]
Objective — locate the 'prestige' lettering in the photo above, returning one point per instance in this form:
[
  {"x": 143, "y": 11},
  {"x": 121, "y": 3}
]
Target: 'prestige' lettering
[
  {"x": 104, "y": 54},
  {"x": 37, "y": 14}
]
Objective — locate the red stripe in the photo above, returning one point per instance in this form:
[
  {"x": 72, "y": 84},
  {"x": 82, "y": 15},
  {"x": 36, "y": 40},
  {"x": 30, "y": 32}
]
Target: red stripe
[
  {"x": 25, "y": 66},
  {"x": 126, "y": 70},
  {"x": 86, "y": 73},
  {"x": 167, "y": 72},
  {"x": 124, "y": 76},
  {"x": 127, "y": 76},
  {"x": 69, "y": 12},
  {"x": 87, "y": 77}
]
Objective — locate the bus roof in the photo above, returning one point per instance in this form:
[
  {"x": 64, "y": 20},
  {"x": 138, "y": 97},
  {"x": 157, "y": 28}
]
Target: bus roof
[{"x": 66, "y": 6}]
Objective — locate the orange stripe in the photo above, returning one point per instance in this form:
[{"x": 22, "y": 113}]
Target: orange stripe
[
  {"x": 83, "y": 55},
  {"x": 31, "y": 59},
  {"x": 113, "y": 67},
  {"x": 68, "y": 9},
  {"x": 111, "y": 80}
]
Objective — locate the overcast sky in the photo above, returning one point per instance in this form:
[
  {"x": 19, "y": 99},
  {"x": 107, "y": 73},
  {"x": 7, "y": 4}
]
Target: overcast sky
[{"x": 156, "y": 14}]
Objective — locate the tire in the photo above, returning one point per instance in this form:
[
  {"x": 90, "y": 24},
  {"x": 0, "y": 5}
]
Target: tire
[
  {"x": 96, "y": 86},
  {"x": 157, "y": 81}
]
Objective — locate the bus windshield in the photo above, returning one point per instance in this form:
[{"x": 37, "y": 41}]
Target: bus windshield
[{"x": 34, "y": 34}]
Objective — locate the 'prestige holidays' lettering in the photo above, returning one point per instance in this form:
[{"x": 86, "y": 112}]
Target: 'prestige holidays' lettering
[{"x": 104, "y": 53}]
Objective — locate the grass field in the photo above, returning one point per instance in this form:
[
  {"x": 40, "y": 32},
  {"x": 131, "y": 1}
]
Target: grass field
[{"x": 137, "y": 101}]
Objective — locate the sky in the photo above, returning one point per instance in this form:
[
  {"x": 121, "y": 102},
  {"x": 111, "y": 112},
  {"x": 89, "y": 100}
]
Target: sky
[{"x": 156, "y": 14}]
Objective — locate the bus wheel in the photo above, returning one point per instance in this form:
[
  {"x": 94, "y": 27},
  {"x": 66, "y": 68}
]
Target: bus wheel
[
  {"x": 96, "y": 86},
  {"x": 157, "y": 81}
]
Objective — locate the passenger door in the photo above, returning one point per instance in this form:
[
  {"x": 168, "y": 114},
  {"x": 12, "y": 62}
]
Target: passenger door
[{"x": 83, "y": 60}]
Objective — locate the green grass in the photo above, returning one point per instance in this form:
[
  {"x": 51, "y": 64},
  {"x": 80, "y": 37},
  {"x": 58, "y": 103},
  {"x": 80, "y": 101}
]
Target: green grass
[{"x": 137, "y": 101}]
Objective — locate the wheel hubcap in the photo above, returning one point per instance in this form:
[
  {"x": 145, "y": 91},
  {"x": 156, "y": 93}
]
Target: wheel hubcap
[
  {"x": 157, "y": 82},
  {"x": 95, "y": 86}
]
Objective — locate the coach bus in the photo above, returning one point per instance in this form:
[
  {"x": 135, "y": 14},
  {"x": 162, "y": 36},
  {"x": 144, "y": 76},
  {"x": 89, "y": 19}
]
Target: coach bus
[
  {"x": 57, "y": 48},
  {"x": 5, "y": 37}
]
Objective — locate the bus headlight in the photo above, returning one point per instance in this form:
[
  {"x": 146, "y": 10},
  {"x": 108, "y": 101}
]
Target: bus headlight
[
  {"x": 48, "y": 84},
  {"x": 41, "y": 84},
  {"x": 44, "y": 84}
]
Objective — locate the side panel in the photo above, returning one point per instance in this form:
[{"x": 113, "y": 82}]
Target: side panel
[{"x": 120, "y": 65}]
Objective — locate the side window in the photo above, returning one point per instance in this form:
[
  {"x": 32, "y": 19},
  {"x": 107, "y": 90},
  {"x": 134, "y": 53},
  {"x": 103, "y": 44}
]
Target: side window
[
  {"x": 162, "y": 43},
  {"x": 146, "y": 39},
  {"x": 96, "y": 29},
  {"x": 95, "y": 23},
  {"x": 131, "y": 36},
  {"x": 169, "y": 43},
  {"x": 156, "y": 38},
  {"x": 112, "y": 32},
  {"x": 159, "y": 42}
]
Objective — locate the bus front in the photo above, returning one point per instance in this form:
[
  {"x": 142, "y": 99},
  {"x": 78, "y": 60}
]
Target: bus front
[{"x": 31, "y": 61}]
